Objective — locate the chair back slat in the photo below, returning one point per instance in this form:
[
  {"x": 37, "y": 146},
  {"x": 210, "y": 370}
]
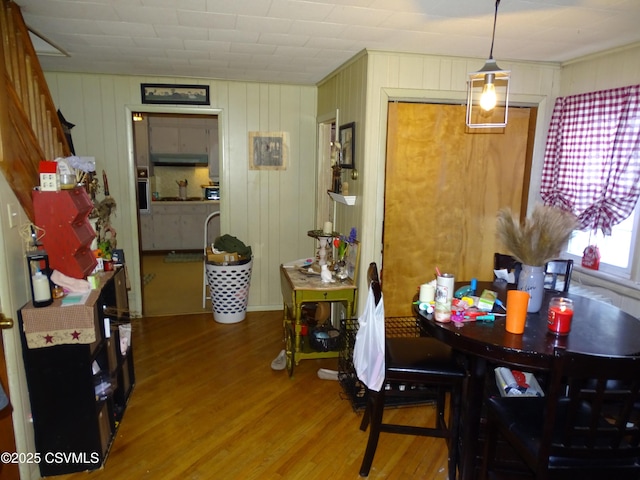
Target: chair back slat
[
  {"x": 503, "y": 261},
  {"x": 593, "y": 409},
  {"x": 557, "y": 271},
  {"x": 374, "y": 281}
]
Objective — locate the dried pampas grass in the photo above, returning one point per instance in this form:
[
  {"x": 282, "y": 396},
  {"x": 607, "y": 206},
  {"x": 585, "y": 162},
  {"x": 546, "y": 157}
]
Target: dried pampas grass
[{"x": 540, "y": 238}]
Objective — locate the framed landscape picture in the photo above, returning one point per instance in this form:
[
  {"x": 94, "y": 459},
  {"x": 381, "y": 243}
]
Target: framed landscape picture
[{"x": 161, "y": 93}]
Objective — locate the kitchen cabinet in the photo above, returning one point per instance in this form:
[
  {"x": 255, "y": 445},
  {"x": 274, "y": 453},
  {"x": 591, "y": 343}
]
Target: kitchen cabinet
[
  {"x": 146, "y": 231},
  {"x": 166, "y": 226},
  {"x": 79, "y": 377},
  {"x": 178, "y": 225},
  {"x": 141, "y": 142},
  {"x": 214, "y": 154},
  {"x": 179, "y": 135}
]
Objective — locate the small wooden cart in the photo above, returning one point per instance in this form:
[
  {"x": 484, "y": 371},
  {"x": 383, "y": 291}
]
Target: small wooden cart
[{"x": 298, "y": 288}]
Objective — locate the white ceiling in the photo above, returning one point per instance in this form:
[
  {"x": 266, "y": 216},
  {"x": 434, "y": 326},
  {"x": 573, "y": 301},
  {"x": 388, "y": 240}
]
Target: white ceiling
[{"x": 302, "y": 41}]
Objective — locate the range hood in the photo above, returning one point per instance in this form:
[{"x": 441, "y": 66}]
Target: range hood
[{"x": 180, "y": 159}]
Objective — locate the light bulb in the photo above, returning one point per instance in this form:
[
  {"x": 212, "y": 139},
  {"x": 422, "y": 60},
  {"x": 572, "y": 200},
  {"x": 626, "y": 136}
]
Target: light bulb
[{"x": 488, "y": 97}]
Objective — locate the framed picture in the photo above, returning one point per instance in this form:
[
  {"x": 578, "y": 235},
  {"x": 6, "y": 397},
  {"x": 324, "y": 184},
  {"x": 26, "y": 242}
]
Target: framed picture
[
  {"x": 348, "y": 145},
  {"x": 268, "y": 150},
  {"x": 161, "y": 93}
]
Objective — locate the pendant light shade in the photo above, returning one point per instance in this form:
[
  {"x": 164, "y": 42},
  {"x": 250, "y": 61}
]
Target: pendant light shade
[{"x": 488, "y": 92}]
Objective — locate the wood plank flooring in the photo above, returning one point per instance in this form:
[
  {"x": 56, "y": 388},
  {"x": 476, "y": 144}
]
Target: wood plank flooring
[
  {"x": 176, "y": 288},
  {"x": 207, "y": 405}
]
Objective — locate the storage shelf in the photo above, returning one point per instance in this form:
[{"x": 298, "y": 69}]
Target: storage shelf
[{"x": 347, "y": 200}]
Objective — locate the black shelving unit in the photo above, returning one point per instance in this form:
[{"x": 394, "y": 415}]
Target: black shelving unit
[{"x": 79, "y": 392}]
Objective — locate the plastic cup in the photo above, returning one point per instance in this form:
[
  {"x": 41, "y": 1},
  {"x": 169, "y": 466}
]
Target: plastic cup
[{"x": 517, "y": 303}]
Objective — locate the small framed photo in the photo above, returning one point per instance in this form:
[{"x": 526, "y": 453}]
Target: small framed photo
[
  {"x": 162, "y": 93},
  {"x": 268, "y": 150},
  {"x": 348, "y": 145}
]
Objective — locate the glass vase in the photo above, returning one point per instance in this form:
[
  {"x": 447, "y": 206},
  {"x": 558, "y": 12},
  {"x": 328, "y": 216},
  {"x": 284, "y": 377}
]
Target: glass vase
[
  {"x": 531, "y": 280},
  {"x": 341, "y": 269}
]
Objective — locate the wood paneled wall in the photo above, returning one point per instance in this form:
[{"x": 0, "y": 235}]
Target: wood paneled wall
[
  {"x": 617, "y": 68},
  {"x": 365, "y": 85},
  {"x": 269, "y": 210}
]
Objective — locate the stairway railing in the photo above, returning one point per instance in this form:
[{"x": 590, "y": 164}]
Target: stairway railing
[{"x": 30, "y": 130}]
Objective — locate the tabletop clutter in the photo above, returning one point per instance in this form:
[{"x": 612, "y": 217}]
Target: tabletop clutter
[
  {"x": 443, "y": 303},
  {"x": 331, "y": 262},
  {"x": 446, "y": 304},
  {"x": 440, "y": 299}
]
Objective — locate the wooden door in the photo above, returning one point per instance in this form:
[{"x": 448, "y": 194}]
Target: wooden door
[
  {"x": 443, "y": 188},
  {"x": 8, "y": 471}
]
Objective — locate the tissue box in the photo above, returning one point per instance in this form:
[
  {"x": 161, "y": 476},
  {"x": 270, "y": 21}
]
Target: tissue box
[
  {"x": 486, "y": 300},
  {"x": 223, "y": 257}
]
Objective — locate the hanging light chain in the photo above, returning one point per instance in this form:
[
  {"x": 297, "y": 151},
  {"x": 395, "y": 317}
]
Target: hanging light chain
[{"x": 493, "y": 37}]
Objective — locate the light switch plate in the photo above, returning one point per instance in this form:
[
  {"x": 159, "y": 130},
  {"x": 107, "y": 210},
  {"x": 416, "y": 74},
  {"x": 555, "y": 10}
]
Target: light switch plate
[{"x": 12, "y": 211}]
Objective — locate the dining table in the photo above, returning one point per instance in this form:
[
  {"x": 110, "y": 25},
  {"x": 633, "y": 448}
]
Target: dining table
[{"x": 597, "y": 328}]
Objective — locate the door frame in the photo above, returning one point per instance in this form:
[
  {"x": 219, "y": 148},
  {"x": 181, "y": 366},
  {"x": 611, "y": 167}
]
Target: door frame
[
  {"x": 135, "y": 263},
  {"x": 325, "y": 207},
  {"x": 14, "y": 292}
]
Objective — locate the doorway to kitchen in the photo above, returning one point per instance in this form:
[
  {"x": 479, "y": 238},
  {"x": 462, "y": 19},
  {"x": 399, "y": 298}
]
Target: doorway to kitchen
[{"x": 177, "y": 162}]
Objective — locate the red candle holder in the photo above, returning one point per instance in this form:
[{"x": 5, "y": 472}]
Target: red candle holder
[{"x": 559, "y": 315}]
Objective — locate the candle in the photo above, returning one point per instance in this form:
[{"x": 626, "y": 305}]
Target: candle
[
  {"x": 560, "y": 315},
  {"x": 328, "y": 228},
  {"x": 41, "y": 289},
  {"x": 427, "y": 293}
]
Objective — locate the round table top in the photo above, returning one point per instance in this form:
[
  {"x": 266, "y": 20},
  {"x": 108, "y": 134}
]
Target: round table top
[{"x": 596, "y": 328}]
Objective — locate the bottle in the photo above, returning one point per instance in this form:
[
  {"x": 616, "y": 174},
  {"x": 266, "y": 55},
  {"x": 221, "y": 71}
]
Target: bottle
[
  {"x": 444, "y": 297},
  {"x": 41, "y": 289}
]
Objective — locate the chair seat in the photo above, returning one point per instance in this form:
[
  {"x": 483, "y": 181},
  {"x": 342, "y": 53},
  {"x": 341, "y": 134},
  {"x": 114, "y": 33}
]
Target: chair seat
[
  {"x": 419, "y": 369},
  {"x": 421, "y": 355},
  {"x": 523, "y": 418}
]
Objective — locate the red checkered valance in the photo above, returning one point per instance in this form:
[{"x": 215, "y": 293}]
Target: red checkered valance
[{"x": 592, "y": 159}]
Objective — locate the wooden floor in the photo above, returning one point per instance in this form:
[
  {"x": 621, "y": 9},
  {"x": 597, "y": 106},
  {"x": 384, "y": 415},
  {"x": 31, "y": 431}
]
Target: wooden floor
[
  {"x": 207, "y": 405},
  {"x": 174, "y": 288}
]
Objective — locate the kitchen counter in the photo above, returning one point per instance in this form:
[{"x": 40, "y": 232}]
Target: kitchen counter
[
  {"x": 178, "y": 224},
  {"x": 189, "y": 201}
]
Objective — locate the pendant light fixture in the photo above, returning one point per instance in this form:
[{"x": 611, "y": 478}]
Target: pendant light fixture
[{"x": 488, "y": 92}]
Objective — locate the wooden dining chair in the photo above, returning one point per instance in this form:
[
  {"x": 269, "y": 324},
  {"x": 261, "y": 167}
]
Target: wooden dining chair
[
  {"x": 502, "y": 261},
  {"x": 558, "y": 274},
  {"x": 586, "y": 427},
  {"x": 416, "y": 369}
]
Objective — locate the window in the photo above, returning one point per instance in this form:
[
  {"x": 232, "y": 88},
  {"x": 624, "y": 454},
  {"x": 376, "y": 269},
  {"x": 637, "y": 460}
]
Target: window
[
  {"x": 592, "y": 168},
  {"x": 617, "y": 250}
]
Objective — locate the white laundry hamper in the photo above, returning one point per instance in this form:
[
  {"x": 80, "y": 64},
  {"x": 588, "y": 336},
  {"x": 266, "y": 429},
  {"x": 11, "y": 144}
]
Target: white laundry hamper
[{"x": 229, "y": 289}]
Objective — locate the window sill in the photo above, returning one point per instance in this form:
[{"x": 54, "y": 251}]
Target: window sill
[{"x": 621, "y": 286}]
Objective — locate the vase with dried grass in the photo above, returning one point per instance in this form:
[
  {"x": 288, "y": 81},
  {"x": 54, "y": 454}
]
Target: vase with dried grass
[{"x": 534, "y": 242}]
